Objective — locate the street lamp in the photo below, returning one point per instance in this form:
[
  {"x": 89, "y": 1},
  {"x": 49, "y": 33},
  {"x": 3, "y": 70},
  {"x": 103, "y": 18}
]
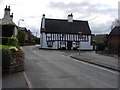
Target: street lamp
[
  {"x": 19, "y": 21},
  {"x": 79, "y": 33}
]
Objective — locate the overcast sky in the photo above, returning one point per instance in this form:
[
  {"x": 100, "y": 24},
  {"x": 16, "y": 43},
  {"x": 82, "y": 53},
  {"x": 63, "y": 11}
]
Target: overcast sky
[{"x": 99, "y": 13}]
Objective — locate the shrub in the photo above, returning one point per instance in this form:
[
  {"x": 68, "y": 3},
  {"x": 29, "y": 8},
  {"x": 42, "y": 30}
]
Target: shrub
[
  {"x": 21, "y": 37},
  {"x": 101, "y": 45},
  {"x": 4, "y": 40},
  {"x": 37, "y": 40},
  {"x": 7, "y": 30},
  {"x": 13, "y": 41}
]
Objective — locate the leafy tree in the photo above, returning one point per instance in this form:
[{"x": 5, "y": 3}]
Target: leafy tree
[{"x": 21, "y": 37}]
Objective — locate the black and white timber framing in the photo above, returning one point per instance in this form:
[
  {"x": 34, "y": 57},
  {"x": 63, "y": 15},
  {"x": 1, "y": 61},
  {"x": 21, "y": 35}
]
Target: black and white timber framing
[{"x": 65, "y": 34}]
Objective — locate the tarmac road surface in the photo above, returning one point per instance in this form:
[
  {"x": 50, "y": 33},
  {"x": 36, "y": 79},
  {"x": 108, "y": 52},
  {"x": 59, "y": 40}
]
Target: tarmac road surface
[{"x": 52, "y": 69}]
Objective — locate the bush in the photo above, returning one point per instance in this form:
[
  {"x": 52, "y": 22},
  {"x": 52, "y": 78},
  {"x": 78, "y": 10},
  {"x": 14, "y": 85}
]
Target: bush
[
  {"x": 13, "y": 41},
  {"x": 37, "y": 40},
  {"x": 7, "y": 30},
  {"x": 101, "y": 45},
  {"x": 4, "y": 40},
  {"x": 21, "y": 37}
]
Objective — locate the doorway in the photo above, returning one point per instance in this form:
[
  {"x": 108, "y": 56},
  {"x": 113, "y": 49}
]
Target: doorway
[{"x": 69, "y": 45}]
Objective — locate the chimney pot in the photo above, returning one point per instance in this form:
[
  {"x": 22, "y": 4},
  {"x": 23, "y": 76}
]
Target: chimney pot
[{"x": 70, "y": 18}]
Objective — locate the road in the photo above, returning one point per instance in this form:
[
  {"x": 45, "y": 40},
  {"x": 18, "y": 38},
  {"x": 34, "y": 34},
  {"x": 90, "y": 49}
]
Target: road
[{"x": 52, "y": 69}]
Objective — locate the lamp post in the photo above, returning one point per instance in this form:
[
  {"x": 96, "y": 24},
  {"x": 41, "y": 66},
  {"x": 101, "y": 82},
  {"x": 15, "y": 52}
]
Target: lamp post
[
  {"x": 19, "y": 21},
  {"x": 79, "y": 33}
]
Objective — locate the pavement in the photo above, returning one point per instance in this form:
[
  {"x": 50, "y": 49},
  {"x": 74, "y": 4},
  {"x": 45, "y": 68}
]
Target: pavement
[
  {"x": 98, "y": 59},
  {"x": 14, "y": 80}
]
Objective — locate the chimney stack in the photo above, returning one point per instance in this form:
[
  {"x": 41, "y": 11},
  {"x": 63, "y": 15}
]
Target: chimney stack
[
  {"x": 119, "y": 10},
  {"x": 70, "y": 18},
  {"x": 7, "y": 11},
  {"x": 11, "y": 16},
  {"x": 43, "y": 21}
]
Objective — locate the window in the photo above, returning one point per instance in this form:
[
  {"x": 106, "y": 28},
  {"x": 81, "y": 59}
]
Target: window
[
  {"x": 49, "y": 43},
  {"x": 62, "y": 42},
  {"x": 48, "y": 37}
]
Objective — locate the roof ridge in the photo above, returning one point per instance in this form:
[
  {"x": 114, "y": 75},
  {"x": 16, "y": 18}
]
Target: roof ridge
[{"x": 67, "y": 20}]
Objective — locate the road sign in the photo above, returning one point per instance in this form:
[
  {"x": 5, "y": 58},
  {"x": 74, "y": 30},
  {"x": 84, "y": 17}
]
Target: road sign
[{"x": 81, "y": 36}]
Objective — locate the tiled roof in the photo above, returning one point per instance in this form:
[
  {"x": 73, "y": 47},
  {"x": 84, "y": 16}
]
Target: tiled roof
[{"x": 115, "y": 31}]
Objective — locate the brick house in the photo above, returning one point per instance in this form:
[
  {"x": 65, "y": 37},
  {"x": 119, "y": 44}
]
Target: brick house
[{"x": 114, "y": 39}]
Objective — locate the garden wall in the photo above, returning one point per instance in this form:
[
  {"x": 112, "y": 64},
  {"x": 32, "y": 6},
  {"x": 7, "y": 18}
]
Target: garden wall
[{"x": 12, "y": 61}]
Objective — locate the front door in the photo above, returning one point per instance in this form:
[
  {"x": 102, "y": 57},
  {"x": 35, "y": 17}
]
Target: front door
[{"x": 69, "y": 45}]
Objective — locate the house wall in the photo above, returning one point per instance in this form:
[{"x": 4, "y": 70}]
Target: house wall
[
  {"x": 43, "y": 42},
  {"x": 114, "y": 42},
  {"x": 84, "y": 45}
]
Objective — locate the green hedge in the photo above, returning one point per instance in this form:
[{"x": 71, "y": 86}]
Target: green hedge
[
  {"x": 4, "y": 40},
  {"x": 11, "y": 41},
  {"x": 21, "y": 37},
  {"x": 7, "y": 30},
  {"x": 100, "y": 44}
]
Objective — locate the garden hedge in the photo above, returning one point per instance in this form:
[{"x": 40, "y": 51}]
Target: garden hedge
[
  {"x": 11, "y": 41},
  {"x": 7, "y": 30}
]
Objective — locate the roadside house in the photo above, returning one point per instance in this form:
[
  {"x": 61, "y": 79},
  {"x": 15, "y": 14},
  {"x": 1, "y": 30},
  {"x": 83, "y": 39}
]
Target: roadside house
[
  {"x": 29, "y": 38},
  {"x": 65, "y": 34},
  {"x": 8, "y": 20},
  {"x": 114, "y": 38}
]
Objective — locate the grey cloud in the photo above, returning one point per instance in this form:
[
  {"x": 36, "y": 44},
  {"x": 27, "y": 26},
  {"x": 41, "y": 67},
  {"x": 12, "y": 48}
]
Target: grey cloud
[
  {"x": 1, "y": 1},
  {"x": 101, "y": 28},
  {"x": 82, "y": 7},
  {"x": 88, "y": 10}
]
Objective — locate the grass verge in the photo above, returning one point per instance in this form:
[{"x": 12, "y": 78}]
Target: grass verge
[{"x": 6, "y": 47}]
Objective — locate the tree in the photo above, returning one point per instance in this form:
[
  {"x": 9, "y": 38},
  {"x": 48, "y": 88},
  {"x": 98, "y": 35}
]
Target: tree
[{"x": 21, "y": 37}]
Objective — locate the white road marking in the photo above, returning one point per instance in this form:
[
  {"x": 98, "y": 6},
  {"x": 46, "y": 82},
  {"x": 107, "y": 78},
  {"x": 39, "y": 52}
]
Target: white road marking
[
  {"x": 27, "y": 80},
  {"x": 105, "y": 69}
]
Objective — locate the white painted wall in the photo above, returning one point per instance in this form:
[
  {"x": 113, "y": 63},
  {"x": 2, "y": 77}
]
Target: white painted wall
[
  {"x": 7, "y": 19},
  {"x": 86, "y": 45},
  {"x": 43, "y": 21},
  {"x": 83, "y": 45},
  {"x": 43, "y": 41}
]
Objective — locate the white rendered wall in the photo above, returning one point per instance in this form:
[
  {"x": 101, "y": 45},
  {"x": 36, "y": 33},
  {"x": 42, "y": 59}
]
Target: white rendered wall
[
  {"x": 7, "y": 19},
  {"x": 43, "y": 41},
  {"x": 86, "y": 45}
]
